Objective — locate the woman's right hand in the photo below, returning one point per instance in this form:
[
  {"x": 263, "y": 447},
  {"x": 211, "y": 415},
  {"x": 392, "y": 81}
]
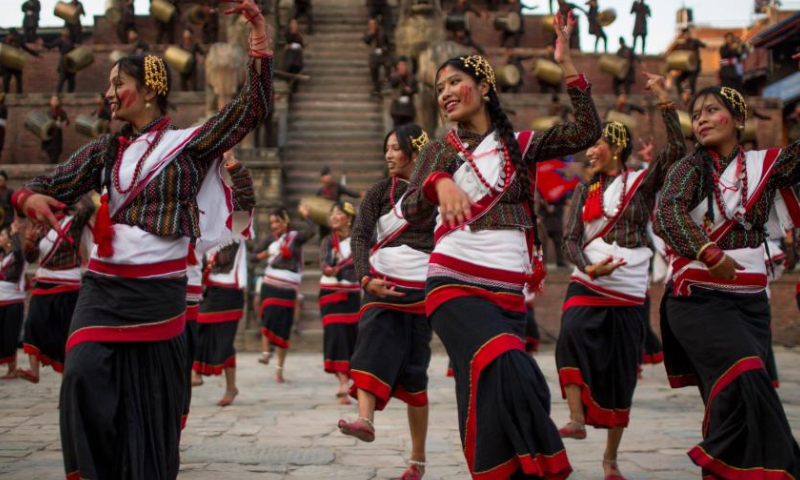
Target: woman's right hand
[
  {"x": 382, "y": 288},
  {"x": 657, "y": 85},
  {"x": 455, "y": 206},
  {"x": 606, "y": 267},
  {"x": 726, "y": 270},
  {"x": 40, "y": 208}
]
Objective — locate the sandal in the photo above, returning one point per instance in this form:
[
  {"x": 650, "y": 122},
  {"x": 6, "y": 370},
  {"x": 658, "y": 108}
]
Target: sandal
[
  {"x": 362, "y": 429},
  {"x": 228, "y": 399},
  {"x": 573, "y": 430},
  {"x": 612, "y": 464},
  {"x": 10, "y": 376},
  {"x": 28, "y": 375},
  {"x": 415, "y": 471}
]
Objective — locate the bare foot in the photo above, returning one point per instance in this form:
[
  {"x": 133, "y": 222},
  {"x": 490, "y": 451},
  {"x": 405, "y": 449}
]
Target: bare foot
[
  {"x": 264, "y": 358},
  {"x": 279, "y": 375},
  {"x": 611, "y": 470},
  {"x": 361, "y": 429},
  {"x": 11, "y": 375},
  {"x": 197, "y": 380},
  {"x": 227, "y": 399}
]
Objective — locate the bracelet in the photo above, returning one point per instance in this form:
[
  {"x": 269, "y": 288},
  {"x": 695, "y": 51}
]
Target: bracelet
[
  {"x": 721, "y": 261},
  {"x": 711, "y": 255},
  {"x": 19, "y": 198},
  {"x": 666, "y": 104},
  {"x": 255, "y": 54},
  {"x": 591, "y": 270},
  {"x": 703, "y": 249},
  {"x": 365, "y": 281}
]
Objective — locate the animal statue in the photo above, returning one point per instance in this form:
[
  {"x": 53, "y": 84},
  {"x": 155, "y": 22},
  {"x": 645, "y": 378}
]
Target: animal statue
[
  {"x": 421, "y": 22},
  {"x": 428, "y": 62},
  {"x": 225, "y": 65}
]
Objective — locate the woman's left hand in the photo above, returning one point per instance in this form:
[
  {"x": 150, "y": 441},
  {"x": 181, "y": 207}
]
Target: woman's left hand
[
  {"x": 657, "y": 85},
  {"x": 250, "y": 11},
  {"x": 564, "y": 30}
]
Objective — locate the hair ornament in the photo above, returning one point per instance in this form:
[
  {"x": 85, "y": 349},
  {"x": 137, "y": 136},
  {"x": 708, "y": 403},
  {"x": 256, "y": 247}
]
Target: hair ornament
[
  {"x": 616, "y": 134},
  {"x": 736, "y": 99},
  {"x": 155, "y": 75},
  {"x": 419, "y": 142},
  {"x": 481, "y": 67},
  {"x": 349, "y": 209}
]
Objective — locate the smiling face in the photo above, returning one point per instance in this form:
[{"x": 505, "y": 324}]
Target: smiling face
[
  {"x": 338, "y": 219},
  {"x": 125, "y": 98},
  {"x": 459, "y": 95},
  {"x": 397, "y": 161},
  {"x": 277, "y": 225},
  {"x": 5, "y": 239},
  {"x": 712, "y": 123},
  {"x": 601, "y": 158}
]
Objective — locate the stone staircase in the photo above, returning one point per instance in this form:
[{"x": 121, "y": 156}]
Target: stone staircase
[{"x": 333, "y": 120}]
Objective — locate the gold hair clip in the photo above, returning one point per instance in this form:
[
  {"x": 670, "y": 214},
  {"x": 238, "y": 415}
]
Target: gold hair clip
[
  {"x": 155, "y": 75},
  {"x": 616, "y": 134},
  {"x": 736, "y": 99},
  {"x": 349, "y": 209},
  {"x": 419, "y": 142},
  {"x": 481, "y": 67}
]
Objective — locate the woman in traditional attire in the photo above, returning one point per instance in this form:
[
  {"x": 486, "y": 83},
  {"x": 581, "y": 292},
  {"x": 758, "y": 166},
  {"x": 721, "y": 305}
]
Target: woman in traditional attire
[
  {"x": 391, "y": 261},
  {"x": 225, "y": 280},
  {"x": 339, "y": 297},
  {"x": 55, "y": 294},
  {"x": 599, "y": 349},
  {"x": 283, "y": 252},
  {"x": 715, "y": 320},
  {"x": 480, "y": 177},
  {"x": 12, "y": 297},
  {"x": 125, "y": 376}
]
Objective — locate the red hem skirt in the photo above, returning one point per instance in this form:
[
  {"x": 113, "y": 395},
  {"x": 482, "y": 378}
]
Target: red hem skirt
[
  {"x": 653, "y": 350},
  {"x": 11, "y": 318},
  {"x": 720, "y": 341},
  {"x": 220, "y": 312},
  {"x": 339, "y": 311},
  {"x": 47, "y": 327},
  {"x": 277, "y": 314}
]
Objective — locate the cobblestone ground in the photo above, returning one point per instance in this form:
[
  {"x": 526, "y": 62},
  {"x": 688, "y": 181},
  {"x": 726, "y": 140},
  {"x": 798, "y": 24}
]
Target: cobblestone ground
[{"x": 289, "y": 431}]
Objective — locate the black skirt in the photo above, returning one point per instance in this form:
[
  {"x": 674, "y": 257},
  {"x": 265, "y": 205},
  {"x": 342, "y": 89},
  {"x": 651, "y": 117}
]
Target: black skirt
[
  {"x": 720, "y": 342},
  {"x": 653, "y": 350},
  {"x": 49, "y": 316},
  {"x": 532, "y": 336},
  {"x": 393, "y": 349},
  {"x": 190, "y": 337},
  {"x": 502, "y": 396},
  {"x": 277, "y": 314},
  {"x": 599, "y": 350},
  {"x": 125, "y": 379},
  {"x": 11, "y": 317},
  {"x": 339, "y": 310},
  {"x": 220, "y": 312}
]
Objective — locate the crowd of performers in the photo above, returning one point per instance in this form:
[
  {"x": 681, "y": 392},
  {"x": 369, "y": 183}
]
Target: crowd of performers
[{"x": 448, "y": 243}]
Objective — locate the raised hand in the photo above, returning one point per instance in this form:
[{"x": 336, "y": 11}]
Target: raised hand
[
  {"x": 645, "y": 151},
  {"x": 564, "y": 31},
  {"x": 657, "y": 85}
]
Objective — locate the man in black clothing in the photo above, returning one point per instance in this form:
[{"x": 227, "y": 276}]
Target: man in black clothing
[
  {"x": 558, "y": 109},
  {"x": 138, "y": 46},
  {"x": 65, "y": 45},
  {"x": 595, "y": 28},
  {"x": 405, "y": 87},
  {"x": 5, "y": 201},
  {"x": 641, "y": 10},
  {"x": 167, "y": 29},
  {"x": 730, "y": 56},
  {"x": 126, "y": 21},
  {"x": 516, "y": 61},
  {"x": 188, "y": 43},
  {"x": 31, "y": 10},
  {"x": 303, "y": 7},
  {"x": 688, "y": 42},
  {"x": 76, "y": 30},
  {"x": 3, "y": 121},
  {"x": 379, "y": 56},
  {"x": 515, "y": 37},
  {"x": 381, "y": 9},
  {"x": 211, "y": 27},
  {"x": 14, "y": 40},
  {"x": 627, "y": 82},
  {"x": 332, "y": 191}
]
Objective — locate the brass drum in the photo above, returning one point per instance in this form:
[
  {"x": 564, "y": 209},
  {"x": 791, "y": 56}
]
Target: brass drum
[
  {"x": 179, "y": 59},
  {"x": 78, "y": 59},
  {"x": 607, "y": 17},
  {"x": 456, "y": 22},
  {"x": 116, "y": 55},
  {"x": 548, "y": 71},
  {"x": 113, "y": 11},
  {"x": 11, "y": 57},
  {"x": 90, "y": 126},
  {"x": 510, "y": 22},
  {"x": 319, "y": 207},
  {"x": 614, "y": 65},
  {"x": 547, "y": 23},
  {"x": 540, "y": 124},
  {"x": 162, "y": 10},
  {"x": 686, "y": 123},
  {"x": 197, "y": 15},
  {"x": 750, "y": 132},
  {"x": 682, "y": 60},
  {"x": 627, "y": 120},
  {"x": 40, "y": 124},
  {"x": 508, "y": 76},
  {"x": 67, "y": 12}
]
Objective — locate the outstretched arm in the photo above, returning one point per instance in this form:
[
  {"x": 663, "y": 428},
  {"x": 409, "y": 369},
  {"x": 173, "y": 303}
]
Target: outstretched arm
[
  {"x": 364, "y": 228},
  {"x": 573, "y": 235},
  {"x": 676, "y": 142}
]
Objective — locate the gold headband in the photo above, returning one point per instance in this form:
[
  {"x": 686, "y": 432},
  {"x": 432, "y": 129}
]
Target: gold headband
[
  {"x": 419, "y": 142},
  {"x": 616, "y": 134},
  {"x": 481, "y": 67},
  {"x": 349, "y": 209},
  {"x": 736, "y": 99},
  {"x": 155, "y": 75}
]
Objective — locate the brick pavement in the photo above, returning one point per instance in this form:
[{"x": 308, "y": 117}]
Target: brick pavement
[{"x": 289, "y": 431}]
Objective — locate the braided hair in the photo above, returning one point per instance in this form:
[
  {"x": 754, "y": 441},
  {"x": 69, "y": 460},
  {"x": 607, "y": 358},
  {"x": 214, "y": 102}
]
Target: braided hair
[{"x": 501, "y": 124}]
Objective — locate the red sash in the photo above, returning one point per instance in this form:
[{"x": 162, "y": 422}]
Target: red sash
[{"x": 625, "y": 203}]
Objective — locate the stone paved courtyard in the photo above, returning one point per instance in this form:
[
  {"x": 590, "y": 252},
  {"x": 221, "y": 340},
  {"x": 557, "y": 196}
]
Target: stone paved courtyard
[{"x": 289, "y": 431}]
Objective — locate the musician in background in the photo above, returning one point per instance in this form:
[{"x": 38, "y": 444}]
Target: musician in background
[
  {"x": 381, "y": 9},
  {"x": 379, "y": 56},
  {"x": 558, "y": 109},
  {"x": 30, "y": 23},
  {"x": 3, "y": 121},
  {"x": 211, "y": 27},
  {"x": 138, "y": 46},
  {"x": 687, "y": 42},
  {"x": 126, "y": 20},
  {"x": 462, "y": 37},
  {"x": 594, "y": 25},
  {"x": 55, "y": 145},
  {"x": 14, "y": 40},
  {"x": 65, "y": 45},
  {"x": 303, "y": 7},
  {"x": 167, "y": 28},
  {"x": 293, "y": 61},
  {"x": 332, "y": 191},
  {"x": 5, "y": 200},
  {"x": 188, "y": 43},
  {"x": 792, "y": 125},
  {"x": 546, "y": 87},
  {"x": 405, "y": 87},
  {"x": 76, "y": 30},
  {"x": 641, "y": 10},
  {"x": 622, "y": 105},
  {"x": 626, "y": 83},
  {"x": 730, "y": 63},
  {"x": 516, "y": 60},
  {"x": 515, "y": 37},
  {"x": 101, "y": 108}
]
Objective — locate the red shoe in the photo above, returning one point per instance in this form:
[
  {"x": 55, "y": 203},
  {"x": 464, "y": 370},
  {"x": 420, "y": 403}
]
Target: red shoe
[
  {"x": 573, "y": 430},
  {"x": 415, "y": 471},
  {"x": 362, "y": 429},
  {"x": 228, "y": 399},
  {"x": 612, "y": 465},
  {"x": 27, "y": 375}
]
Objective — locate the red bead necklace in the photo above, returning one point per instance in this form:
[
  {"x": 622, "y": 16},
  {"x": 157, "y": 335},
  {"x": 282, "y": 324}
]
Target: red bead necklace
[
  {"x": 160, "y": 128},
  {"x": 741, "y": 169},
  {"x": 395, "y": 181},
  {"x": 453, "y": 139}
]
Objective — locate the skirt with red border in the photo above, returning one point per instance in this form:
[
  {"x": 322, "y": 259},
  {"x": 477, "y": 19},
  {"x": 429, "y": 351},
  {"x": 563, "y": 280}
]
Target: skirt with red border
[
  {"x": 47, "y": 327},
  {"x": 277, "y": 314},
  {"x": 339, "y": 310},
  {"x": 502, "y": 396},
  {"x": 532, "y": 336},
  {"x": 11, "y": 318},
  {"x": 220, "y": 312},
  {"x": 720, "y": 342},
  {"x": 599, "y": 350},
  {"x": 190, "y": 337},
  {"x": 653, "y": 350},
  {"x": 122, "y": 395},
  {"x": 393, "y": 349}
]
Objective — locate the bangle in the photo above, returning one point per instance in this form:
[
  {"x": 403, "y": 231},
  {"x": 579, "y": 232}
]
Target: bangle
[
  {"x": 721, "y": 260},
  {"x": 365, "y": 281},
  {"x": 711, "y": 255},
  {"x": 255, "y": 54},
  {"x": 703, "y": 249},
  {"x": 19, "y": 198},
  {"x": 666, "y": 104},
  {"x": 591, "y": 270}
]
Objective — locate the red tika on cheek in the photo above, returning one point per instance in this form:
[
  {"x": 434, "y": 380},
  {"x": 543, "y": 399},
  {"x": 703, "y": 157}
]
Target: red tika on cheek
[
  {"x": 127, "y": 98},
  {"x": 466, "y": 94}
]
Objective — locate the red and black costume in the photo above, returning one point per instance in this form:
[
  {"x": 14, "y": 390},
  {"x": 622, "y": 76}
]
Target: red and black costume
[
  {"x": 12, "y": 299},
  {"x": 339, "y": 301}
]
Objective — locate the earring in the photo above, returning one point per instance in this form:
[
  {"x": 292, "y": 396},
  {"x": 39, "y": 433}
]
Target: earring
[
  {"x": 740, "y": 127},
  {"x": 148, "y": 105},
  {"x": 486, "y": 98},
  {"x": 616, "y": 158}
]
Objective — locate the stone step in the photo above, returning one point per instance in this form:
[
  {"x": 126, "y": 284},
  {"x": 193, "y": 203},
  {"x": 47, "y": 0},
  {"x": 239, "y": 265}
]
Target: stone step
[
  {"x": 344, "y": 155},
  {"x": 355, "y": 176},
  {"x": 300, "y": 163},
  {"x": 339, "y": 124},
  {"x": 313, "y": 144},
  {"x": 321, "y": 105},
  {"x": 318, "y": 61},
  {"x": 351, "y": 35},
  {"x": 349, "y": 71},
  {"x": 342, "y": 97},
  {"x": 309, "y": 114},
  {"x": 327, "y": 135},
  {"x": 333, "y": 89}
]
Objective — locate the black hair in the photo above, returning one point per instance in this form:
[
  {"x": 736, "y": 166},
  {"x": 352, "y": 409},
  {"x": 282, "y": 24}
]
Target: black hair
[
  {"x": 504, "y": 130},
  {"x": 555, "y": 98},
  {"x": 622, "y": 40},
  {"x": 626, "y": 152},
  {"x": 3, "y": 174},
  {"x": 340, "y": 206},
  {"x": 133, "y": 65},
  {"x": 326, "y": 170},
  {"x": 404, "y": 135},
  {"x": 280, "y": 212}
]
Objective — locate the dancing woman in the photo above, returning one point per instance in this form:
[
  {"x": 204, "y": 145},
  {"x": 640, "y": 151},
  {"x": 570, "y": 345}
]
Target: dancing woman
[
  {"x": 602, "y": 334},
  {"x": 125, "y": 370},
  {"x": 58, "y": 281},
  {"x": 715, "y": 320},
  {"x": 284, "y": 255},
  {"x": 12, "y": 297},
  {"x": 339, "y": 296},
  {"x": 480, "y": 177},
  {"x": 391, "y": 260}
]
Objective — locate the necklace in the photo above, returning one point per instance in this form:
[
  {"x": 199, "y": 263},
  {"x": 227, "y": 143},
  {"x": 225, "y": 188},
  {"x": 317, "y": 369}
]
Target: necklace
[
  {"x": 741, "y": 174},
  {"x": 395, "y": 181},
  {"x": 160, "y": 129},
  {"x": 618, "y": 210},
  {"x": 453, "y": 139}
]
